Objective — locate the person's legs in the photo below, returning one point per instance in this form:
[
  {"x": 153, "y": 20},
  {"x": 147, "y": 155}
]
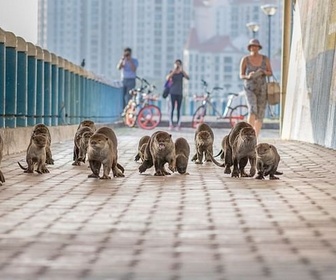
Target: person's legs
[
  {"x": 261, "y": 105},
  {"x": 179, "y": 105},
  {"x": 124, "y": 95},
  {"x": 129, "y": 84},
  {"x": 173, "y": 100},
  {"x": 252, "y": 106},
  {"x": 251, "y": 119}
]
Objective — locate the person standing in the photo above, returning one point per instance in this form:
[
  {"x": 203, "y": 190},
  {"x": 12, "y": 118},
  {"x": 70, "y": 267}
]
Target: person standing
[
  {"x": 253, "y": 70},
  {"x": 176, "y": 92},
  {"x": 128, "y": 65}
]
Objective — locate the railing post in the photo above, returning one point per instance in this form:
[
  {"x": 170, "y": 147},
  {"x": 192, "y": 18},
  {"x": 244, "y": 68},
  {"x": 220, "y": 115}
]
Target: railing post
[
  {"x": 47, "y": 87},
  {"x": 11, "y": 80},
  {"x": 22, "y": 78},
  {"x": 72, "y": 107},
  {"x": 2, "y": 76},
  {"x": 32, "y": 77},
  {"x": 54, "y": 89},
  {"x": 61, "y": 104},
  {"x": 82, "y": 79},
  {"x": 77, "y": 94},
  {"x": 67, "y": 90},
  {"x": 40, "y": 86}
]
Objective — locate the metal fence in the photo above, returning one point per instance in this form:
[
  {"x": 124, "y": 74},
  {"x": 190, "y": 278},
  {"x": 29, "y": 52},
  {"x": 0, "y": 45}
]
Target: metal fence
[{"x": 37, "y": 86}]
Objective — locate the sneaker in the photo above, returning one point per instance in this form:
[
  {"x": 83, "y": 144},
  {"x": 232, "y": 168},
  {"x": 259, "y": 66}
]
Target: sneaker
[
  {"x": 171, "y": 127},
  {"x": 178, "y": 128}
]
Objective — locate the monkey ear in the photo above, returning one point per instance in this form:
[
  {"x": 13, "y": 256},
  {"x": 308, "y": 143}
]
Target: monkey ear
[
  {"x": 170, "y": 135},
  {"x": 270, "y": 146},
  {"x": 107, "y": 139}
]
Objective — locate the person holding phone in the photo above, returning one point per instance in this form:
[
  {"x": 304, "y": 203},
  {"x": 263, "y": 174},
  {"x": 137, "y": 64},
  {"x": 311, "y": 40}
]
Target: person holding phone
[
  {"x": 128, "y": 65},
  {"x": 176, "y": 92},
  {"x": 254, "y": 68}
]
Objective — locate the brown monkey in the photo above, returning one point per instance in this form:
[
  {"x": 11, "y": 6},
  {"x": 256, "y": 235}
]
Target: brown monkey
[
  {"x": 204, "y": 138},
  {"x": 141, "y": 147},
  {"x": 182, "y": 151},
  {"x": 267, "y": 161},
  {"x": 159, "y": 151}
]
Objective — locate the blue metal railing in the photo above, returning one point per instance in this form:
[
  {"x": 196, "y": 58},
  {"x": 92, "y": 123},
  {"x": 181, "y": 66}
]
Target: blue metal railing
[{"x": 37, "y": 86}]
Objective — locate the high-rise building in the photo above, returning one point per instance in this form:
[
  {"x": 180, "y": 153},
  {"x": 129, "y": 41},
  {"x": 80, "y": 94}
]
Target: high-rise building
[
  {"x": 210, "y": 36},
  {"x": 98, "y": 30},
  {"x": 219, "y": 38}
]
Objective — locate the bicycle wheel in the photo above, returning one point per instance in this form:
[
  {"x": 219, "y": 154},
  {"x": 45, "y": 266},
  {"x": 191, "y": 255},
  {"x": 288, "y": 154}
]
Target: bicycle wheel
[
  {"x": 130, "y": 116},
  {"x": 149, "y": 117},
  {"x": 198, "y": 116},
  {"x": 238, "y": 114}
]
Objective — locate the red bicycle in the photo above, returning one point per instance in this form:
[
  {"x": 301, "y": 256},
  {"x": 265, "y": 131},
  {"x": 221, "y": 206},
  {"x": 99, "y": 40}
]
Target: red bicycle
[
  {"x": 140, "y": 109},
  {"x": 233, "y": 114}
]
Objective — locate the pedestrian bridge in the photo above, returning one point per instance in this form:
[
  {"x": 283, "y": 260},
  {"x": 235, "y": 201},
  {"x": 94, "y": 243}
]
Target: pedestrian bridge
[{"x": 206, "y": 225}]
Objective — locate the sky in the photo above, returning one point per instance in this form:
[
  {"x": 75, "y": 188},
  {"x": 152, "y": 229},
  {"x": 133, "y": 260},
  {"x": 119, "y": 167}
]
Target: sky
[{"x": 19, "y": 17}]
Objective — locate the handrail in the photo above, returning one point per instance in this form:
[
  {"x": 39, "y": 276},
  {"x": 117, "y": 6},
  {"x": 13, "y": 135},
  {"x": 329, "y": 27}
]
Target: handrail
[{"x": 40, "y": 86}]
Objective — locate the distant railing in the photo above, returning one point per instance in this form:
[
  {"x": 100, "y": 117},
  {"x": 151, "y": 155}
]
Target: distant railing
[{"x": 37, "y": 86}]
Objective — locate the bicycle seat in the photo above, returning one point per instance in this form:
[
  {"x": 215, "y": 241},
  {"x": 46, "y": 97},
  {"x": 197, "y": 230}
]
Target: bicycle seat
[{"x": 233, "y": 93}]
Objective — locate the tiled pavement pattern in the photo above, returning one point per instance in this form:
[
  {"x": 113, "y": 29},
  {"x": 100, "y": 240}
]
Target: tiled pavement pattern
[{"x": 205, "y": 225}]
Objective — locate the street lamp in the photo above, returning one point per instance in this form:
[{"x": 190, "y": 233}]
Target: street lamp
[
  {"x": 269, "y": 10},
  {"x": 254, "y": 27}
]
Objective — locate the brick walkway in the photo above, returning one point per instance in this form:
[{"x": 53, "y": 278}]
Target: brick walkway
[{"x": 206, "y": 225}]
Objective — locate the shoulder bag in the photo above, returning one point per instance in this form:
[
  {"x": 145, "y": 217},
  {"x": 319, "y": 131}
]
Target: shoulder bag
[
  {"x": 166, "y": 89},
  {"x": 273, "y": 91}
]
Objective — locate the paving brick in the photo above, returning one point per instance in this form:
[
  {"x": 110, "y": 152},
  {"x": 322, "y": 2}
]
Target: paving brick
[{"x": 205, "y": 225}]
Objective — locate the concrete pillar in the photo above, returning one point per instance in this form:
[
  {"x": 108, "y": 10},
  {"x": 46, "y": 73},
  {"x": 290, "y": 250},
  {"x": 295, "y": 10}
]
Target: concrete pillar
[
  {"x": 54, "y": 89},
  {"x": 2, "y": 76},
  {"x": 40, "y": 86},
  {"x": 11, "y": 80},
  {"x": 31, "y": 86},
  {"x": 22, "y": 81},
  {"x": 47, "y": 87}
]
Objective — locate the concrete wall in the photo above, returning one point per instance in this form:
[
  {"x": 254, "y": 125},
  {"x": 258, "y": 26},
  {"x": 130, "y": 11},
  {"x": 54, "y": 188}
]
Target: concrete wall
[
  {"x": 310, "y": 109},
  {"x": 17, "y": 139}
]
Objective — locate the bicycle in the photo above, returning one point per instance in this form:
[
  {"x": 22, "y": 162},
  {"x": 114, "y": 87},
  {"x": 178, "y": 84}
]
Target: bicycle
[
  {"x": 233, "y": 114},
  {"x": 140, "y": 109}
]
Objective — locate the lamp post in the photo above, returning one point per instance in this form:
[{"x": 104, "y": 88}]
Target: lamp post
[
  {"x": 269, "y": 10},
  {"x": 254, "y": 27}
]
